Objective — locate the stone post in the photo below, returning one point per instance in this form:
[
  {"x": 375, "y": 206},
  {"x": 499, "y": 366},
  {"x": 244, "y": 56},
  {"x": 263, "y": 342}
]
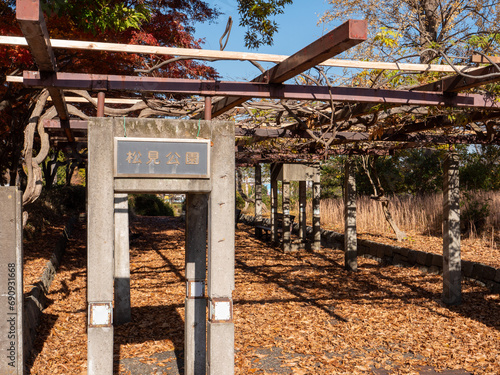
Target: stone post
[
  {"x": 350, "y": 236},
  {"x": 287, "y": 239},
  {"x": 258, "y": 200},
  {"x": 123, "y": 313},
  {"x": 100, "y": 249},
  {"x": 316, "y": 211},
  {"x": 220, "y": 329},
  {"x": 196, "y": 304},
  {"x": 11, "y": 282},
  {"x": 452, "y": 289},
  {"x": 302, "y": 211},
  {"x": 274, "y": 210}
]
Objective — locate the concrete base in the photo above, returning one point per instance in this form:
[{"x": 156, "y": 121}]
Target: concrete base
[
  {"x": 220, "y": 348},
  {"x": 195, "y": 337},
  {"x": 99, "y": 348}
]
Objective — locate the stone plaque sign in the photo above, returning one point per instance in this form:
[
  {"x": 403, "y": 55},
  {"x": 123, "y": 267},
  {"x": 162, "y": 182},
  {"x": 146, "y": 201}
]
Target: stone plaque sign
[
  {"x": 162, "y": 158},
  {"x": 11, "y": 284}
]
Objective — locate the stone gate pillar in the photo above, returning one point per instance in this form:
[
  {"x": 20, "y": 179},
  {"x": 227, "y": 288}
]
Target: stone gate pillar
[
  {"x": 196, "y": 304},
  {"x": 220, "y": 329}
]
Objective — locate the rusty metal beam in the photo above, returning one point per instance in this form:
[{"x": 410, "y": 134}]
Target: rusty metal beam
[
  {"x": 347, "y": 35},
  {"x": 32, "y": 23},
  {"x": 257, "y": 90}
]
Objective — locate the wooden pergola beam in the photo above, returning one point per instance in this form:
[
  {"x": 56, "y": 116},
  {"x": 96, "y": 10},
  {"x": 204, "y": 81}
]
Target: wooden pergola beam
[
  {"x": 32, "y": 23},
  {"x": 347, "y": 35},
  {"x": 227, "y": 55}
]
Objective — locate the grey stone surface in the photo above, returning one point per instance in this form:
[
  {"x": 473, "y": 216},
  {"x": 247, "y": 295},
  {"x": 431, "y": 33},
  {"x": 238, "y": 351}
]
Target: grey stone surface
[
  {"x": 467, "y": 267},
  {"x": 195, "y": 311},
  {"x": 100, "y": 242},
  {"x": 122, "y": 309},
  {"x": 220, "y": 355},
  {"x": 483, "y": 272},
  {"x": 11, "y": 282}
]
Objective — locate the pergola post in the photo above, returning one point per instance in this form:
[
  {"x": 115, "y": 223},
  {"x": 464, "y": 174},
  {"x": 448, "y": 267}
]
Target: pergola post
[
  {"x": 316, "y": 211},
  {"x": 100, "y": 249},
  {"x": 302, "y": 211},
  {"x": 122, "y": 311},
  {"x": 452, "y": 289},
  {"x": 196, "y": 305},
  {"x": 274, "y": 209},
  {"x": 220, "y": 329},
  {"x": 350, "y": 236},
  {"x": 258, "y": 200},
  {"x": 287, "y": 246},
  {"x": 11, "y": 282}
]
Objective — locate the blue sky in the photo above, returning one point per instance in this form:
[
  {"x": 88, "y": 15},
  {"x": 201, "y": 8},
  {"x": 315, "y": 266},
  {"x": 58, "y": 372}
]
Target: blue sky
[{"x": 298, "y": 26}]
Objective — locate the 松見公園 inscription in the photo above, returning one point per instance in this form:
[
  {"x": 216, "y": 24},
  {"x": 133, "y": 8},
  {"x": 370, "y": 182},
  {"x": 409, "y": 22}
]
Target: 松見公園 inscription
[{"x": 162, "y": 158}]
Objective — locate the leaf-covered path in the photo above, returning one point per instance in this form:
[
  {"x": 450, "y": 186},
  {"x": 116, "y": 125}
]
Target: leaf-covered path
[{"x": 298, "y": 313}]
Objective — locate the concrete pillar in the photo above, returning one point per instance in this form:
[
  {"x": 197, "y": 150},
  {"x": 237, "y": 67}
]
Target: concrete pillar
[
  {"x": 100, "y": 249},
  {"x": 220, "y": 329},
  {"x": 316, "y": 211},
  {"x": 258, "y": 200},
  {"x": 302, "y": 211},
  {"x": 274, "y": 210},
  {"x": 350, "y": 235},
  {"x": 196, "y": 304},
  {"x": 452, "y": 289},
  {"x": 122, "y": 312},
  {"x": 287, "y": 240},
  {"x": 11, "y": 282}
]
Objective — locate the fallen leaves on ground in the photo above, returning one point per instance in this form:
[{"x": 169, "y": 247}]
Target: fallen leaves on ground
[{"x": 321, "y": 318}]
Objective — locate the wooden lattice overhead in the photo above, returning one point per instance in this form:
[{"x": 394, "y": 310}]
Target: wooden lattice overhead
[{"x": 275, "y": 120}]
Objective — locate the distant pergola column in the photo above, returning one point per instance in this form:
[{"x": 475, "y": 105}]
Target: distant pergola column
[
  {"x": 316, "y": 210},
  {"x": 274, "y": 205},
  {"x": 302, "y": 211},
  {"x": 122, "y": 309},
  {"x": 452, "y": 289},
  {"x": 258, "y": 200},
  {"x": 287, "y": 245},
  {"x": 350, "y": 235}
]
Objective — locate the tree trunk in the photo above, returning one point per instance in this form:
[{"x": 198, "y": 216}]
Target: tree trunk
[{"x": 379, "y": 194}]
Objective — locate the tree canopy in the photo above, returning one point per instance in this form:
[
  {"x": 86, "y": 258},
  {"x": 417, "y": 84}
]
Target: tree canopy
[{"x": 423, "y": 29}]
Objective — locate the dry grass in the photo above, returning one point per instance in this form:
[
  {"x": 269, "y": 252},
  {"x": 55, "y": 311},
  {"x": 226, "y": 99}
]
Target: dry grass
[{"x": 415, "y": 214}]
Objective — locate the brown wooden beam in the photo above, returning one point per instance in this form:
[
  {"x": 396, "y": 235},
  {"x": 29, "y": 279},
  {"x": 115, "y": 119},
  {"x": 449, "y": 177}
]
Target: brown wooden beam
[
  {"x": 32, "y": 23},
  {"x": 347, "y": 35}
]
